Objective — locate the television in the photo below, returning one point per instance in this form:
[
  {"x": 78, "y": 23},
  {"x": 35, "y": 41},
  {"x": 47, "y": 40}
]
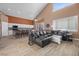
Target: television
[{"x": 14, "y": 27}]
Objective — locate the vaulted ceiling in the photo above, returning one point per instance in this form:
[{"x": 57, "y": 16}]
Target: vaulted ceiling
[{"x": 23, "y": 10}]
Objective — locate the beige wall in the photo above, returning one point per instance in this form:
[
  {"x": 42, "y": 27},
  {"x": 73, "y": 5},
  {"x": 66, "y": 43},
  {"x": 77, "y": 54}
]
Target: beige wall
[
  {"x": 45, "y": 15},
  {"x": 48, "y": 15}
]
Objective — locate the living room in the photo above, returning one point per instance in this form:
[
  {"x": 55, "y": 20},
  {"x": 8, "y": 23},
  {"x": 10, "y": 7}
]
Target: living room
[{"x": 47, "y": 30}]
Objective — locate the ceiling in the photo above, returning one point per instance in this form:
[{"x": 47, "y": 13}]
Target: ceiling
[{"x": 23, "y": 10}]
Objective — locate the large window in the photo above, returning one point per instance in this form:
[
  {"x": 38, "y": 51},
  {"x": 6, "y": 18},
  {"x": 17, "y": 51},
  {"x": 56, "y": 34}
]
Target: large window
[
  {"x": 68, "y": 23},
  {"x": 58, "y": 6}
]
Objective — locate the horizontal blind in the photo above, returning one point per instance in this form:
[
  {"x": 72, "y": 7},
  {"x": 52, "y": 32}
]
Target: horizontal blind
[{"x": 68, "y": 23}]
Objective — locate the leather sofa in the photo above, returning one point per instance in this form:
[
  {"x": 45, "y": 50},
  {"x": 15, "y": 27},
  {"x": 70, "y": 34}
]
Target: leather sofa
[
  {"x": 41, "y": 38},
  {"x": 66, "y": 36}
]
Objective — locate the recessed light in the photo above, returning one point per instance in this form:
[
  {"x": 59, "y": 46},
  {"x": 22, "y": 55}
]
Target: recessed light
[{"x": 9, "y": 9}]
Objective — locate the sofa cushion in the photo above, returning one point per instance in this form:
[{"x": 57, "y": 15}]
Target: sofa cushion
[{"x": 57, "y": 38}]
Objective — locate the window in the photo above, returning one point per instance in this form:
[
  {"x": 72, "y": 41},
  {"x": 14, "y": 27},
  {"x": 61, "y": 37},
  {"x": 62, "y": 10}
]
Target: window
[
  {"x": 68, "y": 23},
  {"x": 58, "y": 6}
]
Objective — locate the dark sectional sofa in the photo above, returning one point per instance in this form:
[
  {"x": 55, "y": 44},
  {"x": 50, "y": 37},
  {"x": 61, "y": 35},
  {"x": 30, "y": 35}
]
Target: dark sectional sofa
[{"x": 43, "y": 38}]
